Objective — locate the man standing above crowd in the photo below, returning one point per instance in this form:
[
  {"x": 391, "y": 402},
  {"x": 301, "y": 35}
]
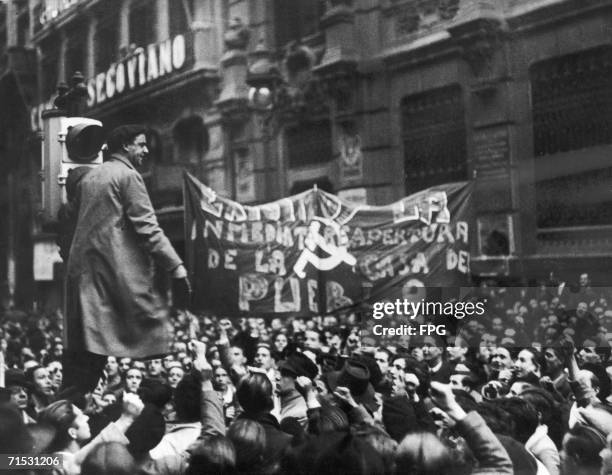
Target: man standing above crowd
[{"x": 113, "y": 306}]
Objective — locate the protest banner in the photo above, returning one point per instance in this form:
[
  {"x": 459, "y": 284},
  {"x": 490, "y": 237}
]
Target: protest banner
[{"x": 314, "y": 253}]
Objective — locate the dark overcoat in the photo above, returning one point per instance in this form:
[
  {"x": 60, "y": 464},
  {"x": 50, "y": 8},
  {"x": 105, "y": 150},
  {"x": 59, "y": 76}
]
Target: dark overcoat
[{"x": 112, "y": 304}]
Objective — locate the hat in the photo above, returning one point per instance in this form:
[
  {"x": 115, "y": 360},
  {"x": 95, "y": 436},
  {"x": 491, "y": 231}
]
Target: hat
[
  {"x": 299, "y": 364},
  {"x": 355, "y": 375},
  {"x": 123, "y": 135},
  {"x": 14, "y": 377},
  {"x": 376, "y": 375}
]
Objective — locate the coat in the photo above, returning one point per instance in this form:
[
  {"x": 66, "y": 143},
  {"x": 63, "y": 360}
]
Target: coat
[{"x": 112, "y": 305}]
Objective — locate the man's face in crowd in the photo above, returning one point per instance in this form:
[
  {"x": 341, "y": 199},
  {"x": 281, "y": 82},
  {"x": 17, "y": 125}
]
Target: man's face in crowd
[
  {"x": 112, "y": 367},
  {"x": 497, "y": 326},
  {"x": 553, "y": 362},
  {"x": 587, "y": 354},
  {"x": 155, "y": 367},
  {"x": 335, "y": 342},
  {"x": 263, "y": 358},
  {"x": 137, "y": 151},
  {"x": 488, "y": 340},
  {"x": 524, "y": 364},
  {"x": 56, "y": 373},
  {"x": 500, "y": 359},
  {"x": 312, "y": 340},
  {"x": 382, "y": 359},
  {"x": 125, "y": 364},
  {"x": 42, "y": 382},
  {"x": 583, "y": 280},
  {"x": 238, "y": 357},
  {"x": 280, "y": 342},
  {"x": 457, "y": 350},
  {"x": 581, "y": 309},
  {"x": 398, "y": 367},
  {"x": 133, "y": 380},
  {"x": 431, "y": 352},
  {"x": 175, "y": 374},
  {"x": 109, "y": 399},
  {"x": 551, "y": 334},
  {"x": 220, "y": 379},
  {"x": 352, "y": 342},
  {"x": 19, "y": 396},
  {"x": 80, "y": 430},
  {"x": 168, "y": 360},
  {"x": 140, "y": 365}
]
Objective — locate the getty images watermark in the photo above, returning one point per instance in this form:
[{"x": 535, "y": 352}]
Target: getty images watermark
[{"x": 414, "y": 313}]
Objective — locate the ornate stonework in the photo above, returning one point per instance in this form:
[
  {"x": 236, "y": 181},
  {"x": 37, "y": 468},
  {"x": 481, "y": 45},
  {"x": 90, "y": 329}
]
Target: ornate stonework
[{"x": 406, "y": 17}]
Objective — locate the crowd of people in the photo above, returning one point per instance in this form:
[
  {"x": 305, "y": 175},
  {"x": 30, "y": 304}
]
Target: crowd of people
[{"x": 525, "y": 389}]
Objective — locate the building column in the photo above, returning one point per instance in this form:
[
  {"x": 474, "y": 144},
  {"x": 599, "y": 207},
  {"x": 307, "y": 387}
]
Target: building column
[
  {"x": 90, "y": 49},
  {"x": 124, "y": 26},
  {"x": 206, "y": 25},
  {"x": 162, "y": 19},
  {"x": 61, "y": 66}
]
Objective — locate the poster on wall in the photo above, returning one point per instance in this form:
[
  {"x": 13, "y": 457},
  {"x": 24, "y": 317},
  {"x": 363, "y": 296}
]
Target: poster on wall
[{"x": 314, "y": 253}]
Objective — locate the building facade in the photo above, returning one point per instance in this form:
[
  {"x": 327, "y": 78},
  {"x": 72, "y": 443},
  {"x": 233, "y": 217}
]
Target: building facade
[{"x": 369, "y": 99}]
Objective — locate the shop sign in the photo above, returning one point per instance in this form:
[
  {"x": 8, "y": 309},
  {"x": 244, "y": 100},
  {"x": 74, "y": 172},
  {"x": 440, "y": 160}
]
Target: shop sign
[{"x": 143, "y": 66}]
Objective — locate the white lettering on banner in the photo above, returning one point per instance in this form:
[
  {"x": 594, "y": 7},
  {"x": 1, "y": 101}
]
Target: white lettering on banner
[
  {"x": 143, "y": 66},
  {"x": 274, "y": 262},
  {"x": 291, "y": 305},
  {"x": 458, "y": 260},
  {"x": 290, "y": 235},
  {"x": 251, "y": 287},
  {"x": 375, "y": 267}
]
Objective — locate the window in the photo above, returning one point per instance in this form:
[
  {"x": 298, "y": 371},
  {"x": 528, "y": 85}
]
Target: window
[
  {"x": 191, "y": 140},
  {"x": 571, "y": 99},
  {"x": 434, "y": 138},
  {"x": 309, "y": 143},
  {"x": 296, "y": 19},
  {"x": 75, "y": 51},
  {"x": 142, "y": 23},
  {"x": 106, "y": 42}
]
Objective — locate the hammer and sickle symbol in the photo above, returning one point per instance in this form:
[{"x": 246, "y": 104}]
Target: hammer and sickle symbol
[{"x": 314, "y": 240}]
